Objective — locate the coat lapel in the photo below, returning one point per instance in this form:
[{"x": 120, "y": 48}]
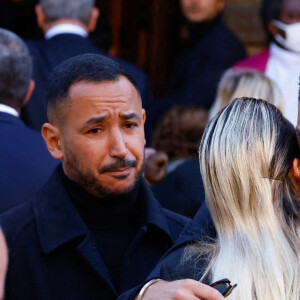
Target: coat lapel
[{"x": 59, "y": 223}]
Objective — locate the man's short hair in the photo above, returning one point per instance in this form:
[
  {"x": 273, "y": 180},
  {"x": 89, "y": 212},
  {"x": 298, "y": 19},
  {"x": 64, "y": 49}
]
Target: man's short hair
[
  {"x": 270, "y": 10},
  {"x": 15, "y": 69},
  {"x": 79, "y": 10},
  {"x": 90, "y": 68}
]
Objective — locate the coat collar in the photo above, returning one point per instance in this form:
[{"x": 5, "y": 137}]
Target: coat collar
[
  {"x": 153, "y": 212},
  {"x": 9, "y": 118},
  {"x": 59, "y": 222}
]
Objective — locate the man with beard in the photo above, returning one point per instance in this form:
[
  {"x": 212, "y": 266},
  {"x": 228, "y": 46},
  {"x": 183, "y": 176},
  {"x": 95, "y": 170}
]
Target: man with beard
[{"x": 94, "y": 230}]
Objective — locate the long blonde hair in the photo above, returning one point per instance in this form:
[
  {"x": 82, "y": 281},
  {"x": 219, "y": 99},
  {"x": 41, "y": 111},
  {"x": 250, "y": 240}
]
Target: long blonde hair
[
  {"x": 241, "y": 82},
  {"x": 245, "y": 156}
]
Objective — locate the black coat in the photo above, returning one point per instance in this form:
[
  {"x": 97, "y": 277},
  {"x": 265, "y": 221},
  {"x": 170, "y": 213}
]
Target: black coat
[
  {"x": 47, "y": 54},
  {"x": 169, "y": 267},
  {"x": 52, "y": 254},
  {"x": 198, "y": 71},
  {"x": 182, "y": 190},
  {"x": 25, "y": 162}
]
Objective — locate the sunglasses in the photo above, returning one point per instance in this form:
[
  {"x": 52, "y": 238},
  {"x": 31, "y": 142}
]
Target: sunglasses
[{"x": 223, "y": 286}]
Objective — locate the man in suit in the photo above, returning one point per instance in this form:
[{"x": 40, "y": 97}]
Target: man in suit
[
  {"x": 24, "y": 159},
  {"x": 66, "y": 25},
  {"x": 95, "y": 229}
]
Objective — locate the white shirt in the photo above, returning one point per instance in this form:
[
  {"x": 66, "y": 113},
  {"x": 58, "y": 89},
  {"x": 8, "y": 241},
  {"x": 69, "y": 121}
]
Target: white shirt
[
  {"x": 284, "y": 68},
  {"x": 65, "y": 28},
  {"x": 9, "y": 110}
]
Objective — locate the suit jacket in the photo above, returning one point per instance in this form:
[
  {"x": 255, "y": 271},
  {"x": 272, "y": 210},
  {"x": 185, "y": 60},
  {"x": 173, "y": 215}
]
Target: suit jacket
[
  {"x": 182, "y": 190},
  {"x": 53, "y": 255},
  {"x": 47, "y": 54},
  {"x": 24, "y": 159}
]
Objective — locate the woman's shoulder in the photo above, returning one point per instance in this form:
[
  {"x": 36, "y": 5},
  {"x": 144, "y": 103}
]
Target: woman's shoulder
[{"x": 185, "y": 263}]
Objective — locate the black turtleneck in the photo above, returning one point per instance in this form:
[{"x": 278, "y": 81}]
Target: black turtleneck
[
  {"x": 112, "y": 221},
  {"x": 196, "y": 31}
]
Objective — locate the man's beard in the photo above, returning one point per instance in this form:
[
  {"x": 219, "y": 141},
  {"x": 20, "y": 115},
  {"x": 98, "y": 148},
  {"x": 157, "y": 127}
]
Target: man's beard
[{"x": 92, "y": 185}]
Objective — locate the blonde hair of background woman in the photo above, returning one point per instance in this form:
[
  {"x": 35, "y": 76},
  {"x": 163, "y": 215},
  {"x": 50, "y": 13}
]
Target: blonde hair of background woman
[
  {"x": 245, "y": 155},
  {"x": 241, "y": 82}
]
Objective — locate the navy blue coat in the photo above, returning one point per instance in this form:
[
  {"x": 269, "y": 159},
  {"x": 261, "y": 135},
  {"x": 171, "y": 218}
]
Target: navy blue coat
[
  {"x": 47, "y": 54},
  {"x": 181, "y": 190},
  {"x": 198, "y": 71},
  {"x": 25, "y": 162},
  {"x": 52, "y": 254},
  {"x": 200, "y": 228}
]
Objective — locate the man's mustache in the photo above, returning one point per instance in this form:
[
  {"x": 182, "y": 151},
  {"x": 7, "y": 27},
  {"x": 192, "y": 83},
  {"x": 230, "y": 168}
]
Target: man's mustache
[{"x": 120, "y": 163}]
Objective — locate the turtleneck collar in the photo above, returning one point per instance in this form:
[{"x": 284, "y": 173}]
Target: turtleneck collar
[
  {"x": 198, "y": 30},
  {"x": 98, "y": 212}
]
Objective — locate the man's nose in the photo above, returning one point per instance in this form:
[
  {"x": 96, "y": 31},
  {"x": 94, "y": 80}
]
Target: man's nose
[{"x": 118, "y": 146}]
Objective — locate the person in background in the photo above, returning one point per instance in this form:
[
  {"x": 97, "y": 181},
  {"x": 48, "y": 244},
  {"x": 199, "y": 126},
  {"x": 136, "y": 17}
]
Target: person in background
[
  {"x": 66, "y": 25},
  {"x": 241, "y": 82},
  {"x": 212, "y": 50},
  {"x": 281, "y": 61},
  {"x": 25, "y": 162},
  {"x": 178, "y": 135}
]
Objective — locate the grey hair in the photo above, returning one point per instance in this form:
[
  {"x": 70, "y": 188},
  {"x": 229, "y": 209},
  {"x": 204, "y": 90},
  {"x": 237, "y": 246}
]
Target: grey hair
[
  {"x": 15, "y": 69},
  {"x": 79, "y": 10}
]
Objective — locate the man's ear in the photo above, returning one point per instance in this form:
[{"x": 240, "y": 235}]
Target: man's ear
[
  {"x": 144, "y": 120},
  {"x": 295, "y": 170},
  {"x": 92, "y": 23},
  {"x": 144, "y": 115},
  {"x": 51, "y": 135},
  {"x": 30, "y": 90},
  {"x": 40, "y": 17}
]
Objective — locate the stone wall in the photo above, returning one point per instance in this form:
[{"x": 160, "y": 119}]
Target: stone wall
[{"x": 242, "y": 17}]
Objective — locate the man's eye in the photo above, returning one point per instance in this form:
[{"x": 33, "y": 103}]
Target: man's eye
[
  {"x": 95, "y": 130},
  {"x": 130, "y": 125}
]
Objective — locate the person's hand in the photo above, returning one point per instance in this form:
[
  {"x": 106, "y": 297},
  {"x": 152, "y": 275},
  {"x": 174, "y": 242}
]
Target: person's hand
[
  {"x": 186, "y": 289},
  {"x": 156, "y": 167}
]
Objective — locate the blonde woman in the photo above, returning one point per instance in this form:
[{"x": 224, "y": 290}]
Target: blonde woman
[
  {"x": 239, "y": 82},
  {"x": 249, "y": 160},
  {"x": 250, "y": 168}
]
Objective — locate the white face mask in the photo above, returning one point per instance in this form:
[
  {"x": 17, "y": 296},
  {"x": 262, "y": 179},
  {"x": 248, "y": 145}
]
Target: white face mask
[{"x": 292, "y": 35}]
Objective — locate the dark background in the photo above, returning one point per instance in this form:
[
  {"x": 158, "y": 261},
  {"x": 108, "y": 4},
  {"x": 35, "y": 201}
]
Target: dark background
[{"x": 144, "y": 32}]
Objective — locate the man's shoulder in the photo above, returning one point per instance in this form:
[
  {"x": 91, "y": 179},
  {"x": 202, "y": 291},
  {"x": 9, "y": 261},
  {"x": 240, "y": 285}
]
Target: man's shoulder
[
  {"x": 29, "y": 141},
  {"x": 221, "y": 35},
  {"x": 175, "y": 221},
  {"x": 135, "y": 72},
  {"x": 25, "y": 142},
  {"x": 35, "y": 46},
  {"x": 16, "y": 221}
]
